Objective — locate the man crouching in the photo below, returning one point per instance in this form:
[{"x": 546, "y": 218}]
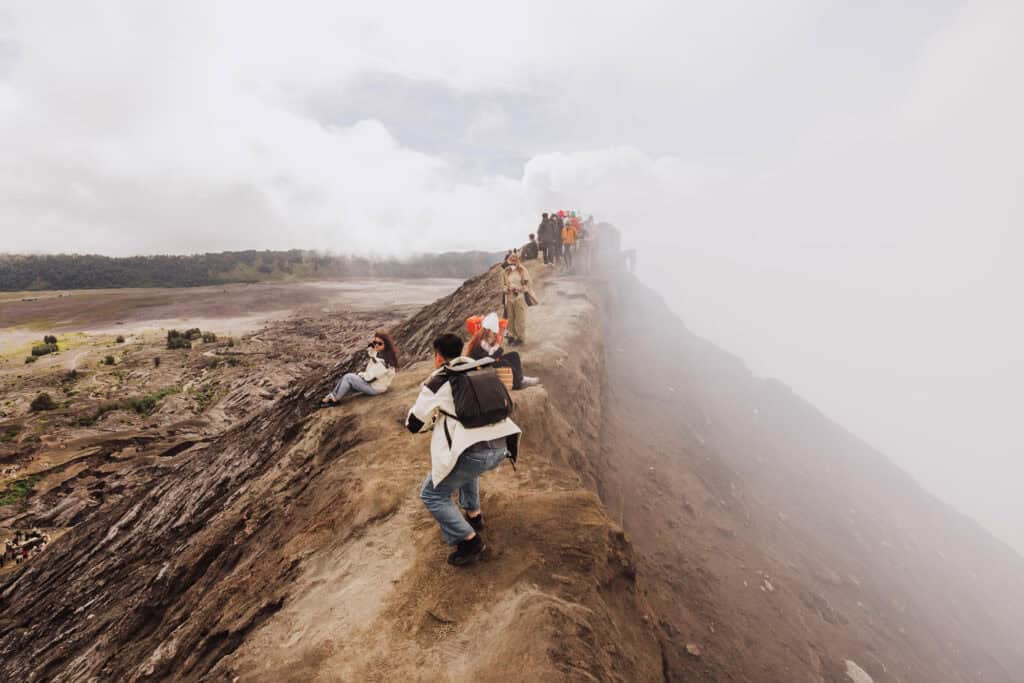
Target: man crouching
[{"x": 467, "y": 408}]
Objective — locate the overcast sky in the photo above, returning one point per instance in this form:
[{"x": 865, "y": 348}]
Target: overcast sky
[{"x": 830, "y": 190}]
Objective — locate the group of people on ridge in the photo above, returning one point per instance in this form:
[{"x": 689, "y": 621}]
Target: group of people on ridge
[
  {"x": 561, "y": 237},
  {"x": 465, "y": 403}
]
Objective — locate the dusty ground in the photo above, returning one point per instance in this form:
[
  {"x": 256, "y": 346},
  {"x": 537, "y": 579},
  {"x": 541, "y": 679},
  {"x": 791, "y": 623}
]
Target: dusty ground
[{"x": 673, "y": 518}]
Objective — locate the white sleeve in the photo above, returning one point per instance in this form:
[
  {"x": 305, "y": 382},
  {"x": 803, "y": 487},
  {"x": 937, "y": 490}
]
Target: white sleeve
[{"x": 423, "y": 413}]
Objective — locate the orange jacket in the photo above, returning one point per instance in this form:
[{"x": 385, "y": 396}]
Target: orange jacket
[{"x": 569, "y": 234}]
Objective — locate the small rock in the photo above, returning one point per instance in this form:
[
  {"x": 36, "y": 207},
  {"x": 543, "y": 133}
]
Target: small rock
[
  {"x": 439, "y": 618},
  {"x": 768, "y": 586},
  {"x": 694, "y": 650},
  {"x": 857, "y": 674}
]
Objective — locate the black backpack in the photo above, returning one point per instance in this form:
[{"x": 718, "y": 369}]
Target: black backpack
[{"x": 481, "y": 398}]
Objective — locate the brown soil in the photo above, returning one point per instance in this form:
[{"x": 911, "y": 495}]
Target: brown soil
[{"x": 672, "y": 518}]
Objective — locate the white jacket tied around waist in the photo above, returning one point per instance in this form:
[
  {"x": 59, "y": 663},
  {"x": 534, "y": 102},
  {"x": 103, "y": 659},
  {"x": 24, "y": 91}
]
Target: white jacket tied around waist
[{"x": 432, "y": 411}]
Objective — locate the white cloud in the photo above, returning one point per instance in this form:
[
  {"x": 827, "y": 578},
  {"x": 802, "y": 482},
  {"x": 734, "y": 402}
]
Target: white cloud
[{"x": 146, "y": 120}]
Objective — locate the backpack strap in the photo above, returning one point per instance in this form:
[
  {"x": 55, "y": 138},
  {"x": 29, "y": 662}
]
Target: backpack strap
[
  {"x": 447, "y": 434},
  {"x": 472, "y": 365},
  {"x": 512, "y": 443}
]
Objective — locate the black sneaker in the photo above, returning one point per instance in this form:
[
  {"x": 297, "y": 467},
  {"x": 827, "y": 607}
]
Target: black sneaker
[
  {"x": 467, "y": 551},
  {"x": 476, "y": 522}
]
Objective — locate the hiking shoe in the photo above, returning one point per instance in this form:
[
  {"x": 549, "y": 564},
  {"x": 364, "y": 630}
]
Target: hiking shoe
[
  {"x": 476, "y": 522},
  {"x": 529, "y": 382},
  {"x": 467, "y": 551}
]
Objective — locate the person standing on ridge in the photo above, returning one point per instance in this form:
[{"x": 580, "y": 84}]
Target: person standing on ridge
[
  {"x": 556, "y": 235},
  {"x": 547, "y": 239},
  {"x": 542, "y": 235},
  {"x": 468, "y": 438},
  {"x": 515, "y": 285},
  {"x": 568, "y": 242}
]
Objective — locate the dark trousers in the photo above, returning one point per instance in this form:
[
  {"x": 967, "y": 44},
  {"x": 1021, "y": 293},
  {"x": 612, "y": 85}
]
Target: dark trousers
[
  {"x": 512, "y": 360},
  {"x": 551, "y": 252}
]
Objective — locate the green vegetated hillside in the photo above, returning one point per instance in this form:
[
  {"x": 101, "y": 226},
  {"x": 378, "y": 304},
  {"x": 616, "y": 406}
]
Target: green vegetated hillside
[{"x": 74, "y": 271}]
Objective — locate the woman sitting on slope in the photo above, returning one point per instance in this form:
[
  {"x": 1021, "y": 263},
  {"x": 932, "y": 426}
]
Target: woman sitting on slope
[
  {"x": 377, "y": 376},
  {"x": 485, "y": 343}
]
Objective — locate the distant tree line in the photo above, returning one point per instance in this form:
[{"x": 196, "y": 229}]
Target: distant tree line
[{"x": 74, "y": 271}]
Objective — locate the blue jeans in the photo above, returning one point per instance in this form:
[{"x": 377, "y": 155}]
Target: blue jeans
[
  {"x": 352, "y": 382},
  {"x": 474, "y": 461}
]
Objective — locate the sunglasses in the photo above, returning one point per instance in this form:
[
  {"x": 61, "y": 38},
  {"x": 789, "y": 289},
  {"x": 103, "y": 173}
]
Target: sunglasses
[{"x": 378, "y": 342}]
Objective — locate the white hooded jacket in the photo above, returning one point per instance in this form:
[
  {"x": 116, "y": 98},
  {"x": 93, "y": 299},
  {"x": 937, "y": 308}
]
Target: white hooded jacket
[{"x": 432, "y": 411}]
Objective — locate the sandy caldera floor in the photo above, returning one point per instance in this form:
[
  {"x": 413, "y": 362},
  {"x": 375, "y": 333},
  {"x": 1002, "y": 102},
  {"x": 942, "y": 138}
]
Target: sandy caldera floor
[
  {"x": 229, "y": 309},
  {"x": 107, "y": 393}
]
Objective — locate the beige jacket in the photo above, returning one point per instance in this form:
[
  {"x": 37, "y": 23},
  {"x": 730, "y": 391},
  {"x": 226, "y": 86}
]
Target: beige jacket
[{"x": 514, "y": 281}]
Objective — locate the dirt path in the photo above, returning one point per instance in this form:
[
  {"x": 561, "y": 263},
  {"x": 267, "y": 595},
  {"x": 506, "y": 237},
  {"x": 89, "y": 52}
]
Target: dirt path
[{"x": 383, "y": 605}]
